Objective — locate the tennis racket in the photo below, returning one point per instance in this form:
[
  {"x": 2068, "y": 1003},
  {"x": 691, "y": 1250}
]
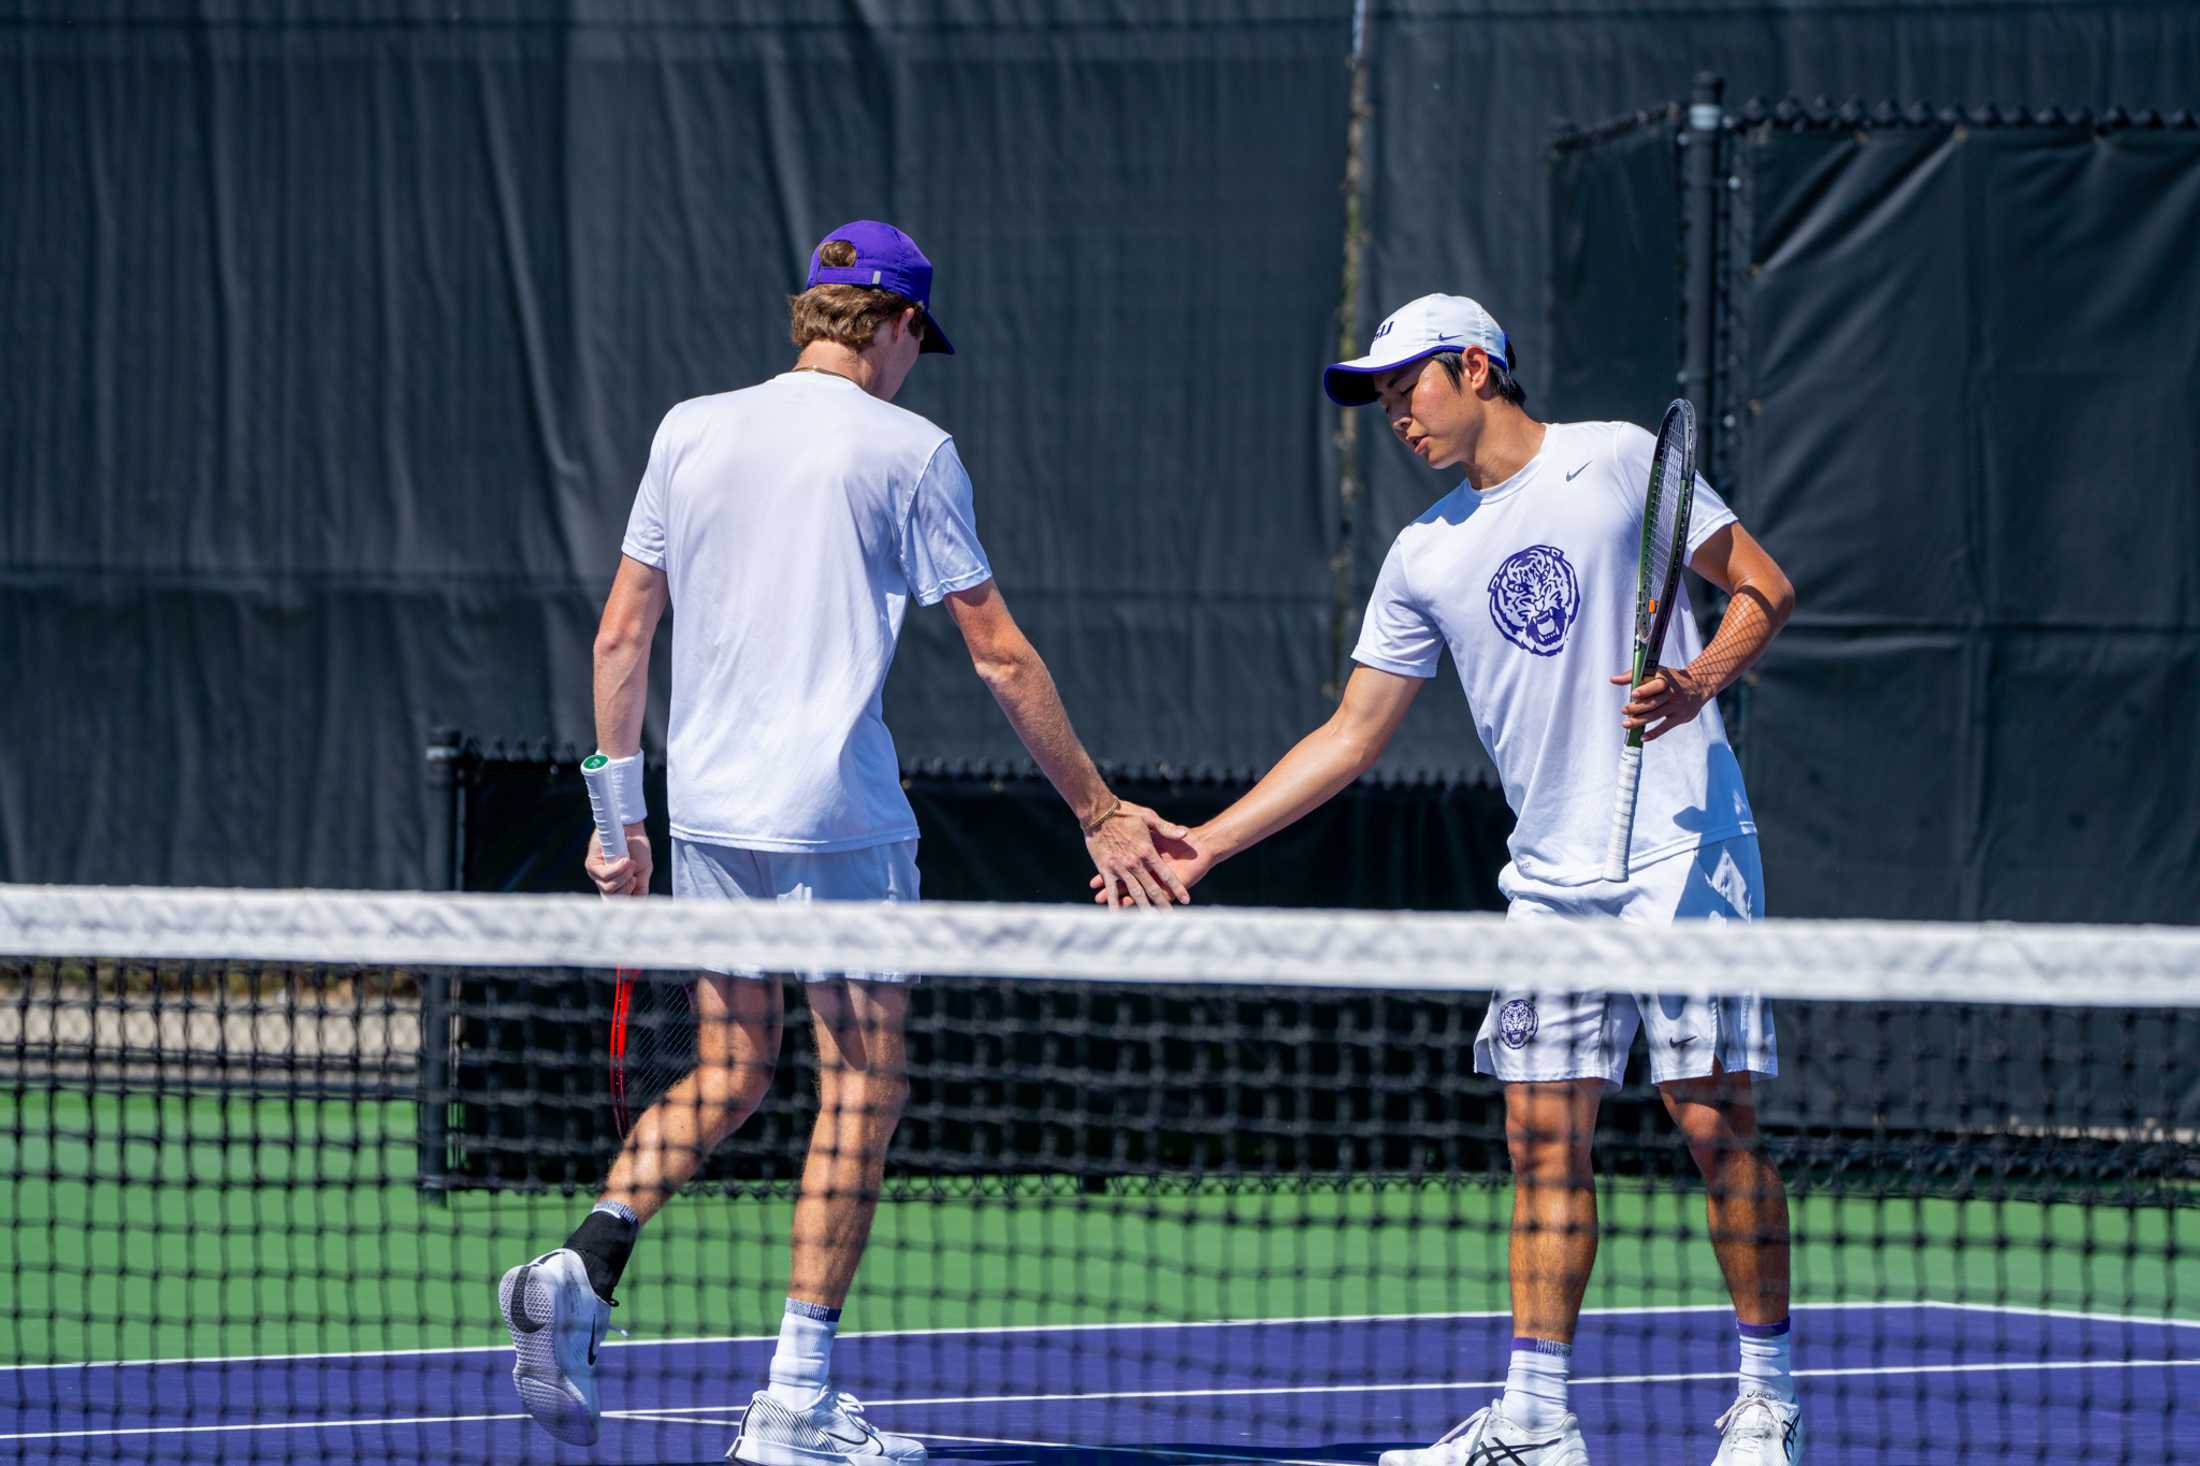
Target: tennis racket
[
  {"x": 1657, "y": 585},
  {"x": 652, "y": 1042},
  {"x": 647, "y": 1029}
]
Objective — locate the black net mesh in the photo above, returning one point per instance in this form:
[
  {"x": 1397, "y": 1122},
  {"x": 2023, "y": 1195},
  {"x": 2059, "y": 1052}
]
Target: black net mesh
[{"x": 261, "y": 1209}]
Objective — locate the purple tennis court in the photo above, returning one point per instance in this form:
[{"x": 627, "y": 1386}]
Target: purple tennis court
[{"x": 1887, "y": 1385}]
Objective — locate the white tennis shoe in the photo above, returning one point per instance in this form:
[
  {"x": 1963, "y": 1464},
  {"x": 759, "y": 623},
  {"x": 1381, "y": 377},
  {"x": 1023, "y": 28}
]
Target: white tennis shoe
[
  {"x": 1487, "y": 1438},
  {"x": 1758, "y": 1430},
  {"x": 829, "y": 1433},
  {"x": 557, "y": 1325}
]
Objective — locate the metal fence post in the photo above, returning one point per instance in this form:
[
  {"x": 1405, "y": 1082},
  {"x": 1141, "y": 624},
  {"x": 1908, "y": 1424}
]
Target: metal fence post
[
  {"x": 442, "y": 871},
  {"x": 1701, "y": 186}
]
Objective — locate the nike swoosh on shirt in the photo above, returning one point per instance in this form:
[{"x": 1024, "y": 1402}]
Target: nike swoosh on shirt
[{"x": 1577, "y": 473}]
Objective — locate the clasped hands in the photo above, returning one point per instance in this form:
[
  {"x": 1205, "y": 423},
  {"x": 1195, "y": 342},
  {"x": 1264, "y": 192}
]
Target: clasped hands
[{"x": 1141, "y": 859}]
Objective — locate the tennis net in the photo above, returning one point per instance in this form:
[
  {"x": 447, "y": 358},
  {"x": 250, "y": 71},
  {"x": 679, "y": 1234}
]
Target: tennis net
[{"x": 1209, "y": 1185}]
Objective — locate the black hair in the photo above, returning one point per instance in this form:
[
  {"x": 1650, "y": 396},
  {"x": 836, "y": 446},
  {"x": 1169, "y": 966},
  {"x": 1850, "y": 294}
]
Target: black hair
[{"x": 1503, "y": 384}]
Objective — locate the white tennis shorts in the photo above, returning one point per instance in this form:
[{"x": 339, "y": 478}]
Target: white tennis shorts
[
  {"x": 731, "y": 873},
  {"x": 1529, "y": 1037}
]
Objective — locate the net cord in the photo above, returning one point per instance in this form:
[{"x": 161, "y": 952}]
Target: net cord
[{"x": 1878, "y": 961}]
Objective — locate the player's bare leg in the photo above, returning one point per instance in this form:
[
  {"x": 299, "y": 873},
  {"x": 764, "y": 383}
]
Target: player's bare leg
[
  {"x": 1747, "y": 1206},
  {"x": 1748, "y": 1217},
  {"x": 558, "y": 1306},
  {"x": 1548, "y": 1129},
  {"x": 738, "y": 1025},
  {"x": 863, "y": 1086}
]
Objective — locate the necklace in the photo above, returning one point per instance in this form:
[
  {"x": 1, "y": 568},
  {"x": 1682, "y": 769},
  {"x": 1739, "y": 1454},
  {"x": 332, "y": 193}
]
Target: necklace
[{"x": 829, "y": 372}]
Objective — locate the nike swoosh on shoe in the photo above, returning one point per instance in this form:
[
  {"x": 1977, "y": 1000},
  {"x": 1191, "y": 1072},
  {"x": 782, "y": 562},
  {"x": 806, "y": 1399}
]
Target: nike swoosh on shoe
[{"x": 519, "y": 1317}]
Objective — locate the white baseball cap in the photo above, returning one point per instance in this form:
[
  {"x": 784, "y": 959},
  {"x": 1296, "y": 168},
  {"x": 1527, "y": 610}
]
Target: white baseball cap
[{"x": 1417, "y": 330}]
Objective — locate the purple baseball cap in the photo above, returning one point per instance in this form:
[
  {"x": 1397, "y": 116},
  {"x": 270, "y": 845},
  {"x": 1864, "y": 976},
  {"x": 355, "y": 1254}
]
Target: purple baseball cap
[{"x": 886, "y": 259}]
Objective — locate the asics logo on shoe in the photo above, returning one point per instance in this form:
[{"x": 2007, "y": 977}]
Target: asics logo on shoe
[
  {"x": 519, "y": 1318},
  {"x": 1502, "y": 1453},
  {"x": 1787, "y": 1435}
]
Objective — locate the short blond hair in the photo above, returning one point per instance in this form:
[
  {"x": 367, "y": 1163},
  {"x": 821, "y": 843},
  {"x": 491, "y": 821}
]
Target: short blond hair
[{"x": 851, "y": 315}]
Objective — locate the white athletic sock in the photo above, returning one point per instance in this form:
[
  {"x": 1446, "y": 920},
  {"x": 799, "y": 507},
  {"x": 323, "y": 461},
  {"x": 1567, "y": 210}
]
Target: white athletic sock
[
  {"x": 1765, "y": 1360},
  {"x": 1535, "y": 1385},
  {"x": 803, "y": 1363}
]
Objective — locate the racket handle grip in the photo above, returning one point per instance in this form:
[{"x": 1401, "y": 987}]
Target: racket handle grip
[
  {"x": 609, "y": 836},
  {"x": 602, "y": 804},
  {"x": 1623, "y": 814}
]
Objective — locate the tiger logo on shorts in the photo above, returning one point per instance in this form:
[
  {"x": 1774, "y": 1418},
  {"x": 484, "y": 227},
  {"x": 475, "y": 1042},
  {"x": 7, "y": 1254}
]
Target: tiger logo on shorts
[
  {"x": 1516, "y": 1022},
  {"x": 1535, "y": 599}
]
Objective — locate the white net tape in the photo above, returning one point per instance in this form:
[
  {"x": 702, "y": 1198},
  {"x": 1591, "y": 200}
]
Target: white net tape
[{"x": 1872, "y": 960}]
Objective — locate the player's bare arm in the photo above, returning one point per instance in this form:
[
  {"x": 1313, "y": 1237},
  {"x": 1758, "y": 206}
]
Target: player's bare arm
[
  {"x": 630, "y": 614},
  {"x": 1118, "y": 834},
  {"x": 1316, "y": 769},
  {"x": 1760, "y": 601}
]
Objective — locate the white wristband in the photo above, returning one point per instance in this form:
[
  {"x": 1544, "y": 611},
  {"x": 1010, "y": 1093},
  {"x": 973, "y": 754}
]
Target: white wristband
[{"x": 615, "y": 798}]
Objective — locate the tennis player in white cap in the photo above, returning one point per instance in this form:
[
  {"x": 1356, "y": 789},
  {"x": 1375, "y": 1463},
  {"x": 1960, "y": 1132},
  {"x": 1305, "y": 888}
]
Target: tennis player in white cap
[{"x": 1526, "y": 573}]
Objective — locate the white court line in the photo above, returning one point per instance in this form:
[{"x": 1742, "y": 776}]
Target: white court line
[
  {"x": 668, "y": 1418},
  {"x": 979, "y": 1329},
  {"x": 1000, "y": 1440},
  {"x": 1856, "y": 1371},
  {"x": 974, "y": 1329},
  {"x": 1831, "y": 1372},
  {"x": 55, "y": 1435},
  {"x": 1862, "y": 1305},
  {"x": 1012, "y": 1328},
  {"x": 2021, "y": 1311}
]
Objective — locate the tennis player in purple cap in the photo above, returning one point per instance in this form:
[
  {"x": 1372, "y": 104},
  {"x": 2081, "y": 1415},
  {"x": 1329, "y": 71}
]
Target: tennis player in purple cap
[{"x": 791, "y": 524}]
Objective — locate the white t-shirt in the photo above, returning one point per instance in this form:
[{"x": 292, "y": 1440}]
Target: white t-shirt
[
  {"x": 1531, "y": 584},
  {"x": 794, "y": 521}
]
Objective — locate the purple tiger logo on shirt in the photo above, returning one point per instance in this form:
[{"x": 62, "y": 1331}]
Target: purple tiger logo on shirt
[{"x": 1535, "y": 599}]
